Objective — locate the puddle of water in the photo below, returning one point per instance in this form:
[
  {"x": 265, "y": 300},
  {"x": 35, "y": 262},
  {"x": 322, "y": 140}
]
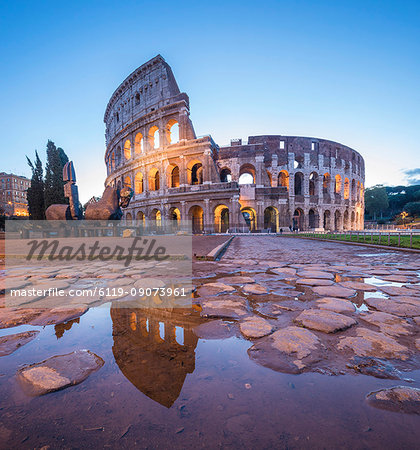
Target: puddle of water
[
  {"x": 163, "y": 386},
  {"x": 378, "y": 282},
  {"x": 372, "y": 255}
]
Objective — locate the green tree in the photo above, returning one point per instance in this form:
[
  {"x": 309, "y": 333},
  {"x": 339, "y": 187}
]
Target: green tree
[
  {"x": 54, "y": 185},
  {"x": 376, "y": 201},
  {"x": 413, "y": 208},
  {"x": 35, "y": 194}
]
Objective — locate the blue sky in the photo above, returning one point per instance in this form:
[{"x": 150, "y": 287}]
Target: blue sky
[{"x": 345, "y": 71}]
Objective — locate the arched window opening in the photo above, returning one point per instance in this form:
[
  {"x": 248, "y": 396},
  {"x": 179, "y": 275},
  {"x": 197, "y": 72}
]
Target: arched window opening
[
  {"x": 154, "y": 180},
  {"x": 137, "y": 98},
  {"x": 270, "y": 178},
  {"x": 225, "y": 176},
  {"x": 196, "y": 217},
  {"x": 197, "y": 174},
  {"x": 129, "y": 219},
  {"x": 353, "y": 189},
  {"x": 346, "y": 220},
  {"x": 271, "y": 216},
  {"x": 337, "y": 220},
  {"x": 327, "y": 218},
  {"x": 174, "y": 178},
  {"x": 298, "y": 183},
  {"x": 127, "y": 150},
  {"x": 140, "y": 218},
  {"x": 221, "y": 219},
  {"x": 112, "y": 161},
  {"x": 337, "y": 184},
  {"x": 157, "y": 217},
  {"x": 313, "y": 219},
  {"x": 298, "y": 220},
  {"x": 173, "y": 131},
  {"x": 313, "y": 180},
  {"x": 284, "y": 179},
  {"x": 138, "y": 183},
  {"x": 118, "y": 157},
  {"x": 154, "y": 137},
  {"x": 138, "y": 144},
  {"x": 326, "y": 183},
  {"x": 250, "y": 218},
  {"x": 127, "y": 181},
  {"x": 346, "y": 188},
  {"x": 247, "y": 174}
]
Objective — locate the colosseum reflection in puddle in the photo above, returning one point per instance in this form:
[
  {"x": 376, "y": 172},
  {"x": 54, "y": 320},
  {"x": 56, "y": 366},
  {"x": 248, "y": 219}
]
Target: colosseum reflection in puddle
[
  {"x": 155, "y": 349},
  {"x": 268, "y": 183}
]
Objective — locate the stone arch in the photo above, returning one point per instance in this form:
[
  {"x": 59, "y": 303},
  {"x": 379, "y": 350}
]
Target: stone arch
[
  {"x": 353, "y": 189},
  {"x": 338, "y": 183},
  {"x": 138, "y": 144},
  {"x": 346, "y": 188},
  {"x": 138, "y": 183},
  {"x": 221, "y": 218},
  {"x": 128, "y": 218},
  {"x": 172, "y": 131},
  {"x": 140, "y": 218},
  {"x": 154, "y": 179},
  {"x": 154, "y": 139},
  {"x": 298, "y": 219},
  {"x": 174, "y": 218},
  {"x": 226, "y": 175},
  {"x": 352, "y": 219},
  {"x": 326, "y": 183},
  {"x": 284, "y": 179},
  {"x": 127, "y": 181},
  {"x": 118, "y": 157},
  {"x": 112, "y": 161},
  {"x": 250, "y": 217},
  {"x": 346, "y": 225},
  {"x": 313, "y": 183},
  {"x": 127, "y": 150},
  {"x": 246, "y": 172},
  {"x": 173, "y": 176},
  {"x": 195, "y": 172},
  {"x": 156, "y": 215},
  {"x": 270, "y": 178},
  {"x": 337, "y": 220},
  {"x": 298, "y": 183},
  {"x": 196, "y": 216},
  {"x": 313, "y": 218},
  {"x": 327, "y": 220},
  {"x": 271, "y": 219}
]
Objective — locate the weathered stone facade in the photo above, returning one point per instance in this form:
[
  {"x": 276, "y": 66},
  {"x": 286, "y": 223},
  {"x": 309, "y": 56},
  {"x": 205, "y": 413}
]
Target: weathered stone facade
[{"x": 270, "y": 182}]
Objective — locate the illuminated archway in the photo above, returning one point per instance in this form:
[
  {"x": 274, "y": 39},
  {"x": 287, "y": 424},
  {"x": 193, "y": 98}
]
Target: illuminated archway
[
  {"x": 221, "y": 218},
  {"x": 172, "y": 131},
  {"x": 326, "y": 183},
  {"x": 127, "y": 181},
  {"x": 127, "y": 150},
  {"x": 138, "y": 144},
  {"x": 346, "y": 188},
  {"x": 154, "y": 180},
  {"x": 195, "y": 172},
  {"x": 250, "y": 217},
  {"x": 154, "y": 139},
  {"x": 284, "y": 179},
  {"x": 138, "y": 183},
  {"x": 173, "y": 173},
  {"x": 225, "y": 175},
  {"x": 271, "y": 219},
  {"x": 338, "y": 183},
  {"x": 196, "y": 216}
]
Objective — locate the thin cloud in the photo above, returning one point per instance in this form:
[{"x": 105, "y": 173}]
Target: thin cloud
[{"x": 412, "y": 175}]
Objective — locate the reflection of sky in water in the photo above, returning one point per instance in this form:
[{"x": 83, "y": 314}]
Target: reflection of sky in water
[
  {"x": 361, "y": 308},
  {"x": 372, "y": 255},
  {"x": 378, "y": 282},
  {"x": 376, "y": 294}
]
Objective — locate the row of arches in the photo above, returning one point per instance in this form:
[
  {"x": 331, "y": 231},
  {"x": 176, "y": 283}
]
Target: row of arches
[
  {"x": 194, "y": 176},
  {"x": 129, "y": 150},
  {"x": 270, "y": 220}
]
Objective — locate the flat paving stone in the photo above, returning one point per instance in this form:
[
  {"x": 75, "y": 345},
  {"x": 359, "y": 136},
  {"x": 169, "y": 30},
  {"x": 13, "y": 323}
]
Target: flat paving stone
[
  {"x": 58, "y": 372},
  {"x": 334, "y": 291},
  {"x": 316, "y": 274},
  {"x": 372, "y": 343},
  {"x": 224, "y": 306},
  {"x": 236, "y": 281},
  {"x": 338, "y": 305},
  {"x": 393, "y": 306},
  {"x": 10, "y": 343},
  {"x": 398, "y": 291},
  {"x": 314, "y": 282},
  {"x": 323, "y": 320},
  {"x": 402, "y": 399},
  {"x": 255, "y": 327},
  {"x": 359, "y": 286},
  {"x": 214, "y": 289},
  {"x": 388, "y": 323},
  {"x": 254, "y": 289}
]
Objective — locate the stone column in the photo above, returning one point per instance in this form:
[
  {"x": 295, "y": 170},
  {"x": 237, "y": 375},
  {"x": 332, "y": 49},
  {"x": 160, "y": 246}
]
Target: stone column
[
  {"x": 259, "y": 167},
  {"x": 208, "y": 222}
]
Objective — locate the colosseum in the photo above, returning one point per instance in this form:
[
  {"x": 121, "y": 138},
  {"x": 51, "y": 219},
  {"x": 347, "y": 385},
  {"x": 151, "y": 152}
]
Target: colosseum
[{"x": 270, "y": 183}]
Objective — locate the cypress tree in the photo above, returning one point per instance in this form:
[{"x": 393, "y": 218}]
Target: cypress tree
[
  {"x": 54, "y": 185},
  {"x": 35, "y": 194}
]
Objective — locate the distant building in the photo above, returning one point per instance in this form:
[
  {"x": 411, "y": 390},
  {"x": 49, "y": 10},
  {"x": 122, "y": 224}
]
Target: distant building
[{"x": 13, "y": 199}]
